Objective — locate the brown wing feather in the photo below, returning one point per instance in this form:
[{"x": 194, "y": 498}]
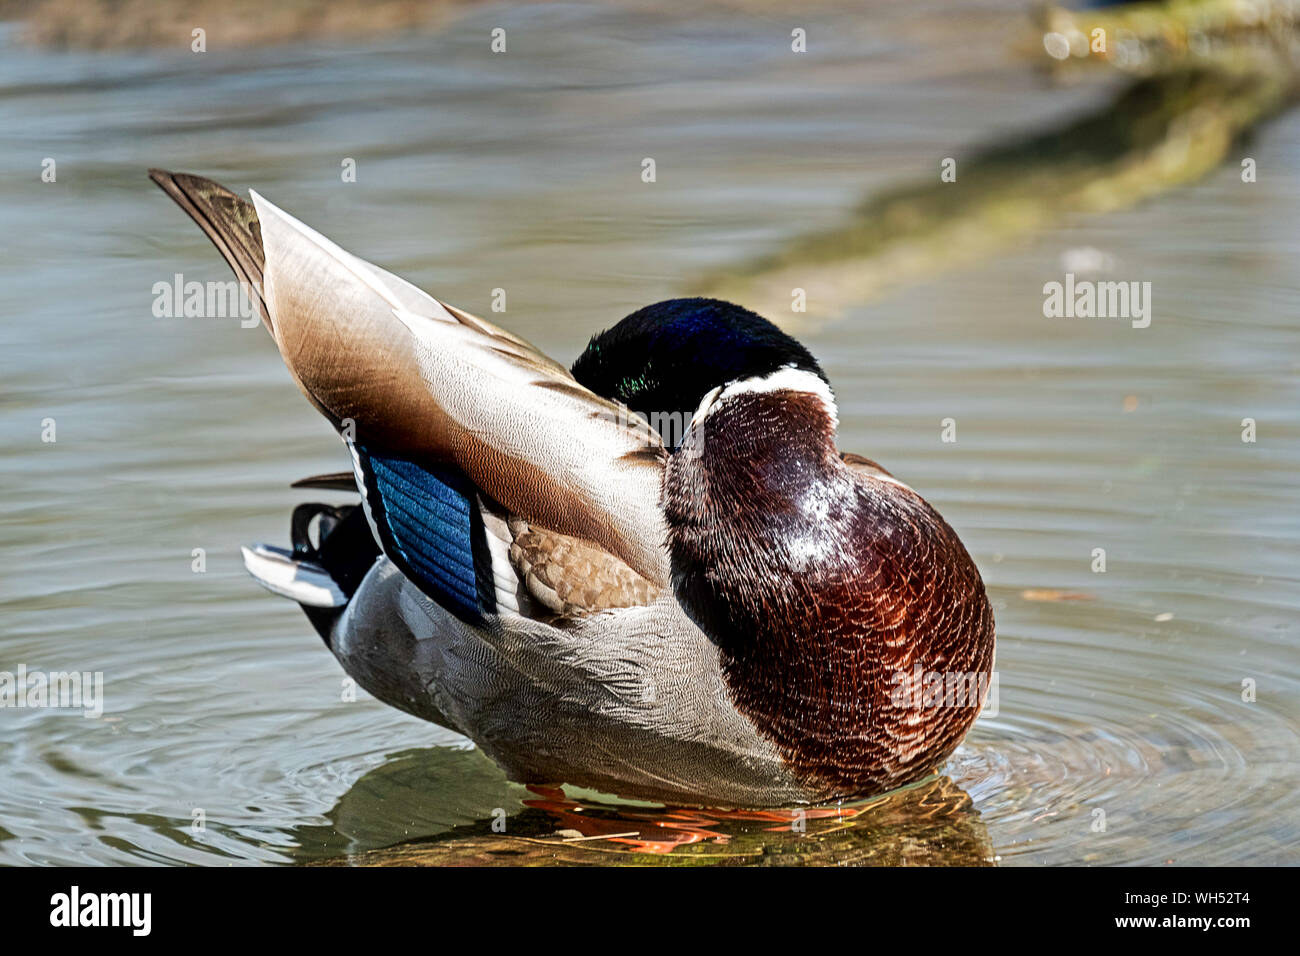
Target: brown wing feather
[{"x": 572, "y": 577}]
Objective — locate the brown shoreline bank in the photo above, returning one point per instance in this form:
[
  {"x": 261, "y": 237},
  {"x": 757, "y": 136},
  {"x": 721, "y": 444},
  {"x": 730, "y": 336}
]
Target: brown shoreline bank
[{"x": 141, "y": 24}]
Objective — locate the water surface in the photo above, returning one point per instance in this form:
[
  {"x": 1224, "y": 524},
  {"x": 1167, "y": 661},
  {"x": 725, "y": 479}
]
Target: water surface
[{"x": 1120, "y": 692}]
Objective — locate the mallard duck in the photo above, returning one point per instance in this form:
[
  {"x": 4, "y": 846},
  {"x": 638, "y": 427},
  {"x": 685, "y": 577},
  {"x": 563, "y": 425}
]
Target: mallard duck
[{"x": 718, "y": 608}]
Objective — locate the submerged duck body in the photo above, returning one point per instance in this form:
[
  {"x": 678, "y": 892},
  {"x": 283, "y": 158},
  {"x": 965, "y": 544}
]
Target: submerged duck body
[{"x": 720, "y": 609}]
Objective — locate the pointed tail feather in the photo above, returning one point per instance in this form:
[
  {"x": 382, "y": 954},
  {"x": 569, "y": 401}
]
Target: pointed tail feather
[
  {"x": 334, "y": 481},
  {"x": 230, "y": 222}
]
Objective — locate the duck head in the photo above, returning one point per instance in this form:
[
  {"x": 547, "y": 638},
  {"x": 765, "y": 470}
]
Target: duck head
[{"x": 661, "y": 361}]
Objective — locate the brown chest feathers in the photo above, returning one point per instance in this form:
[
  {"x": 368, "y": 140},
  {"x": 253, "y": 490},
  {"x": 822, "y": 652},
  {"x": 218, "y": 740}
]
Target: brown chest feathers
[{"x": 853, "y": 625}]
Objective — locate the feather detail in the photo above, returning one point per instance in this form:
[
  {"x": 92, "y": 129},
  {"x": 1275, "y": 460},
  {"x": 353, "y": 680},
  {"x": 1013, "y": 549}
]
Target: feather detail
[
  {"x": 408, "y": 375},
  {"x": 282, "y": 573},
  {"x": 228, "y": 221},
  {"x": 437, "y": 386},
  {"x": 334, "y": 481},
  {"x": 572, "y": 577}
]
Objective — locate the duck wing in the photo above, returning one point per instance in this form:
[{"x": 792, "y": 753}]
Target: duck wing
[{"x": 408, "y": 378}]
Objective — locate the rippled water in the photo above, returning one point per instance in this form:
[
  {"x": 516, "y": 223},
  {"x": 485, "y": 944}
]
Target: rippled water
[{"x": 1121, "y": 734}]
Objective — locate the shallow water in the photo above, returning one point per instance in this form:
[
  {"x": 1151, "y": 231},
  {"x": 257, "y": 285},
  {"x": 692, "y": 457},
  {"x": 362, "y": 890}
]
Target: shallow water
[{"x": 523, "y": 172}]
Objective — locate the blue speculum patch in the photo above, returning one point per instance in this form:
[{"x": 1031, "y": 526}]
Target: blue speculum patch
[{"x": 427, "y": 517}]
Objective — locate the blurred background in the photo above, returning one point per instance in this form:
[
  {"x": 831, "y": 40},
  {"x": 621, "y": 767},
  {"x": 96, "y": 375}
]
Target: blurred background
[{"x": 1147, "y": 713}]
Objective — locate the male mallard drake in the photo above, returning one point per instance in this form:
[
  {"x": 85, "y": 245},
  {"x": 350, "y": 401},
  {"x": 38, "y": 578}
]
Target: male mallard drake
[{"x": 737, "y": 615}]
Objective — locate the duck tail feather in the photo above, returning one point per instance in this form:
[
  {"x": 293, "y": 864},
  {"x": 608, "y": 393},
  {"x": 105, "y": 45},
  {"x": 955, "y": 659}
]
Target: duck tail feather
[
  {"x": 323, "y": 574},
  {"x": 229, "y": 222},
  {"x": 334, "y": 481},
  {"x": 282, "y": 572}
]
